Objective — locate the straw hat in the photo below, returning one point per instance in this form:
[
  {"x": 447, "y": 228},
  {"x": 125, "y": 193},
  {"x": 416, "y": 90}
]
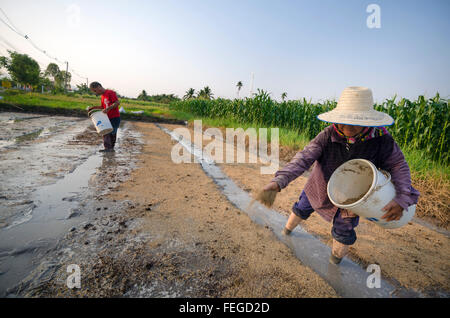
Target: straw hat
[{"x": 355, "y": 107}]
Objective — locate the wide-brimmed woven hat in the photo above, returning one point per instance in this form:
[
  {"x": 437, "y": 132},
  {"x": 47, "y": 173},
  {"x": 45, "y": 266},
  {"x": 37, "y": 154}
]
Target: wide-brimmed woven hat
[{"x": 355, "y": 107}]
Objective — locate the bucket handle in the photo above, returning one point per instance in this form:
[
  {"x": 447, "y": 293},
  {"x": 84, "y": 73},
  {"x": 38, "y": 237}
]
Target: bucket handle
[
  {"x": 92, "y": 111},
  {"x": 388, "y": 178}
]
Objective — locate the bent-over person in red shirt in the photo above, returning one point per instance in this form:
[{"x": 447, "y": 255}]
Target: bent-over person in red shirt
[{"x": 110, "y": 106}]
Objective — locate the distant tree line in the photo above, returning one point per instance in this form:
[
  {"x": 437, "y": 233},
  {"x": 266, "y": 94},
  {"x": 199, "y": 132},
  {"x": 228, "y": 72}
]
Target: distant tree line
[
  {"x": 25, "y": 71},
  {"x": 204, "y": 93},
  {"x": 159, "y": 98}
]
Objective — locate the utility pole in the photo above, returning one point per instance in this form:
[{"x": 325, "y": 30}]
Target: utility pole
[{"x": 65, "y": 80}]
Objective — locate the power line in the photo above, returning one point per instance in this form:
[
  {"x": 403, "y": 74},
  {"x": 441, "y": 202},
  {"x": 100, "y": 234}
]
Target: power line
[
  {"x": 8, "y": 44},
  {"x": 4, "y": 46},
  {"x": 16, "y": 30},
  {"x": 73, "y": 72},
  {"x": 29, "y": 40},
  {"x": 10, "y": 22},
  {"x": 9, "y": 47}
]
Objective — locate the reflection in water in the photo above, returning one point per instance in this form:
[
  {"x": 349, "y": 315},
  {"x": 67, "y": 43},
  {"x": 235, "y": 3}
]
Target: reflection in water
[
  {"x": 30, "y": 136},
  {"x": 58, "y": 204},
  {"x": 109, "y": 160}
]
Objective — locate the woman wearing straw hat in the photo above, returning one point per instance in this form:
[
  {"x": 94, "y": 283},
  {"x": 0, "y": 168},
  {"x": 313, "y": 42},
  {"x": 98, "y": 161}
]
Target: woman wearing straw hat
[{"x": 357, "y": 131}]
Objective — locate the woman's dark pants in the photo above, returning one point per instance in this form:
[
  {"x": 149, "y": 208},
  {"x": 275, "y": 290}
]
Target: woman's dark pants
[{"x": 343, "y": 228}]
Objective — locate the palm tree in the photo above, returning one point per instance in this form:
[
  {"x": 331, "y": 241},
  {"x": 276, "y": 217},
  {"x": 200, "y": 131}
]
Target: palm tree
[
  {"x": 190, "y": 93},
  {"x": 60, "y": 78},
  {"x": 283, "y": 96},
  {"x": 239, "y": 86},
  {"x": 205, "y": 93},
  {"x": 63, "y": 79},
  {"x": 54, "y": 72},
  {"x": 143, "y": 95}
]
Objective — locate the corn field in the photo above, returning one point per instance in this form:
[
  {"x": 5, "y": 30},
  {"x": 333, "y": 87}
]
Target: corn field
[{"x": 421, "y": 124}]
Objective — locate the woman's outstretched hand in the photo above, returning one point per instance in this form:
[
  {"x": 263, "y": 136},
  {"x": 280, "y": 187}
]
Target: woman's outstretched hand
[
  {"x": 272, "y": 186},
  {"x": 393, "y": 211},
  {"x": 267, "y": 195}
]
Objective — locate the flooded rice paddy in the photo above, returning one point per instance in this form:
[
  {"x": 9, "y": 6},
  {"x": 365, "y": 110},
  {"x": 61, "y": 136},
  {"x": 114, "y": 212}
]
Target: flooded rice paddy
[{"x": 50, "y": 170}]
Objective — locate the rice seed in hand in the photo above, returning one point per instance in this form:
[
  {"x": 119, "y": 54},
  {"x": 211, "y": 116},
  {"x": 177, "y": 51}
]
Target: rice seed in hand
[{"x": 265, "y": 197}]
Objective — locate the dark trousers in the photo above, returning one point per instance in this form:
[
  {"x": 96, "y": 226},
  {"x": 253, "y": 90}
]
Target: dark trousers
[
  {"x": 343, "y": 228},
  {"x": 109, "y": 140}
]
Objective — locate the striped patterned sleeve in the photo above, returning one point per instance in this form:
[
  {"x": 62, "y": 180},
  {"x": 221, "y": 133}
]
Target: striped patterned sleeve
[
  {"x": 394, "y": 162},
  {"x": 302, "y": 161}
]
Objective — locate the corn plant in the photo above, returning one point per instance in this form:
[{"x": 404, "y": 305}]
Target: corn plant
[{"x": 421, "y": 124}]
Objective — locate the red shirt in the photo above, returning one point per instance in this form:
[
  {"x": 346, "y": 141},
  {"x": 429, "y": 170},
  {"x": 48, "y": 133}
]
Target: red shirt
[{"x": 108, "y": 98}]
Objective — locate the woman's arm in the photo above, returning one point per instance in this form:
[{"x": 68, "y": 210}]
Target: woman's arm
[
  {"x": 301, "y": 162},
  {"x": 394, "y": 162}
]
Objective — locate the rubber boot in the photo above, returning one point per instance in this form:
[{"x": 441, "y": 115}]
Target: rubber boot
[
  {"x": 108, "y": 143},
  {"x": 113, "y": 139},
  {"x": 292, "y": 222},
  {"x": 338, "y": 251}
]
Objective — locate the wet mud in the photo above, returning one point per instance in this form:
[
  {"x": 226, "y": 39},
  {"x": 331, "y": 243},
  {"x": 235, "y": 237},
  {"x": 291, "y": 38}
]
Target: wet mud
[
  {"x": 146, "y": 227},
  {"x": 415, "y": 256},
  {"x": 168, "y": 231},
  {"x": 52, "y": 111},
  {"x": 44, "y": 202}
]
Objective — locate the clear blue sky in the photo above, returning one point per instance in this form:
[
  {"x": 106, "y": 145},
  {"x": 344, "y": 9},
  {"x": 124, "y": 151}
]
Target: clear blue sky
[{"x": 310, "y": 49}]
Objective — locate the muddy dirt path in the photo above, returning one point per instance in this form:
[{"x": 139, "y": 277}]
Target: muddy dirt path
[
  {"x": 170, "y": 232},
  {"x": 415, "y": 256},
  {"x": 52, "y": 189}
]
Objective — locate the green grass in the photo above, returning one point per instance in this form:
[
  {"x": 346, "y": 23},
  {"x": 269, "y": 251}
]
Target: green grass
[
  {"x": 423, "y": 124},
  {"x": 424, "y": 167},
  {"x": 287, "y": 137},
  {"x": 421, "y": 165},
  {"x": 81, "y": 102}
]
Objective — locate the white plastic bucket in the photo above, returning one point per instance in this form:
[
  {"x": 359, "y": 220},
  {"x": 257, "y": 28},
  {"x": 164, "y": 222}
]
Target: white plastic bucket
[
  {"x": 358, "y": 186},
  {"x": 101, "y": 122}
]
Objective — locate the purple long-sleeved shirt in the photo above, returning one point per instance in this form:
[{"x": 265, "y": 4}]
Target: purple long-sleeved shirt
[{"x": 327, "y": 151}]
